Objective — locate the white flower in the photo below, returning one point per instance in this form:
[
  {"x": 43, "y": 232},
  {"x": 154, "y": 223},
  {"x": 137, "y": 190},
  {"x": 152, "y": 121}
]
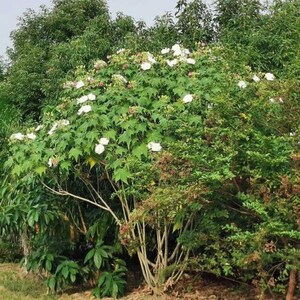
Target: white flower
[
  {"x": 119, "y": 77},
  {"x": 53, "y": 129},
  {"x": 255, "y": 78},
  {"x": 31, "y": 136},
  {"x": 292, "y": 133},
  {"x": 82, "y": 99},
  {"x": 155, "y": 147},
  {"x": 210, "y": 105},
  {"x": 84, "y": 109},
  {"x": 186, "y": 51},
  {"x": 79, "y": 84},
  {"x": 280, "y": 100},
  {"x": 104, "y": 141},
  {"x": 269, "y": 76},
  {"x": 120, "y": 51},
  {"x": 242, "y": 84},
  {"x": 272, "y": 100},
  {"x": 63, "y": 122},
  {"x": 165, "y": 51},
  {"x": 172, "y": 63},
  {"x": 183, "y": 59},
  {"x": 50, "y": 163},
  {"x": 99, "y": 149},
  {"x": 145, "y": 66},
  {"x": 38, "y": 128},
  {"x": 53, "y": 162},
  {"x": 151, "y": 58},
  {"x": 17, "y": 136},
  {"x": 57, "y": 125},
  {"x": 177, "y": 53},
  {"x": 187, "y": 98},
  {"x": 91, "y": 97},
  {"x": 176, "y": 48},
  {"x": 191, "y": 61},
  {"x": 50, "y": 132},
  {"x": 100, "y": 64}
]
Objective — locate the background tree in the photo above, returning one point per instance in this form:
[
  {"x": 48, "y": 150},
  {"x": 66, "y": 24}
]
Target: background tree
[
  {"x": 50, "y": 43},
  {"x": 194, "y": 22}
]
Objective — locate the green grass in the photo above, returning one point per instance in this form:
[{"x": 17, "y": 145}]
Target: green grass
[{"x": 16, "y": 285}]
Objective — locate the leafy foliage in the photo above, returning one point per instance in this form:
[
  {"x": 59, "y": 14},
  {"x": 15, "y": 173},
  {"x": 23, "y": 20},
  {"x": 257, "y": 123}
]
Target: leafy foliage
[{"x": 186, "y": 158}]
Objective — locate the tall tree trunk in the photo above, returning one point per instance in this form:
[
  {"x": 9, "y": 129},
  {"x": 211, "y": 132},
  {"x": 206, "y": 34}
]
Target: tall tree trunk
[
  {"x": 292, "y": 285},
  {"x": 25, "y": 246}
]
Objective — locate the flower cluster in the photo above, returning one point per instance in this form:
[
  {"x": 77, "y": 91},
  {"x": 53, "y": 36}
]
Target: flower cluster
[
  {"x": 187, "y": 98},
  {"x": 20, "y": 136},
  {"x": 176, "y": 54},
  {"x": 120, "y": 51},
  {"x": 268, "y": 76},
  {"x": 53, "y": 162},
  {"x": 99, "y": 148},
  {"x": 273, "y": 100},
  {"x": 57, "y": 125},
  {"x": 119, "y": 79},
  {"x": 255, "y": 78},
  {"x": 180, "y": 55},
  {"x": 84, "y": 109},
  {"x": 99, "y": 64},
  {"x": 85, "y": 98},
  {"x": 147, "y": 63},
  {"x": 155, "y": 147},
  {"x": 79, "y": 84},
  {"x": 242, "y": 84}
]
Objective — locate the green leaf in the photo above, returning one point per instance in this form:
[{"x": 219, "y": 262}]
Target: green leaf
[
  {"x": 75, "y": 153},
  {"x": 65, "y": 272},
  {"x": 122, "y": 175},
  {"x": 65, "y": 165},
  {"x": 31, "y": 220},
  {"x": 108, "y": 284},
  {"x": 179, "y": 91},
  {"x": 73, "y": 278},
  {"x": 120, "y": 150},
  {"x": 103, "y": 253},
  {"x": 89, "y": 255},
  {"x": 17, "y": 170},
  {"x": 97, "y": 260},
  {"x": 140, "y": 150},
  {"x": 91, "y": 161},
  {"x": 102, "y": 279},
  {"x": 51, "y": 283},
  {"x": 195, "y": 120},
  {"x": 40, "y": 170},
  {"x": 115, "y": 290},
  {"x": 177, "y": 226},
  {"x": 48, "y": 265},
  {"x": 111, "y": 134}
]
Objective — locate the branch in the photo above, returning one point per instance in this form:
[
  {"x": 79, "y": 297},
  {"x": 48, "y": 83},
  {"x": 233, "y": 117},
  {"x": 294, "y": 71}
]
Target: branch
[{"x": 66, "y": 193}]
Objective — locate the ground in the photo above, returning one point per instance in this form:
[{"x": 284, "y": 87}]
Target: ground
[{"x": 16, "y": 285}]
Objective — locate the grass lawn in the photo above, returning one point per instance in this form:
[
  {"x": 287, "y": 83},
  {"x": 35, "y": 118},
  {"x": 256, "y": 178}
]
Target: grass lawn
[{"x": 16, "y": 285}]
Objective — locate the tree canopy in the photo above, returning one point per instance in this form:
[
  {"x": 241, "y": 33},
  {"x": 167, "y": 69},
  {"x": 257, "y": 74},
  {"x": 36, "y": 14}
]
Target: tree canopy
[{"x": 176, "y": 144}]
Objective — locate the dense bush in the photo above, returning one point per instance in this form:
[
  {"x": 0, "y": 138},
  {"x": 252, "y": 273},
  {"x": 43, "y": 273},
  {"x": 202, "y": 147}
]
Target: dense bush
[
  {"x": 186, "y": 158},
  {"x": 186, "y": 154}
]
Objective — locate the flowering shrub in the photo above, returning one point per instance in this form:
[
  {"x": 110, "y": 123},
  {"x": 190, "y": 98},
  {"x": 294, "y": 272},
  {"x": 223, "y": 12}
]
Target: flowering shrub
[{"x": 187, "y": 146}]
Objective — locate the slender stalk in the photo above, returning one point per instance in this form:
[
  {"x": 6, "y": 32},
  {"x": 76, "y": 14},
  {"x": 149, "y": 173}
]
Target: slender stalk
[
  {"x": 291, "y": 285},
  {"x": 66, "y": 193}
]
